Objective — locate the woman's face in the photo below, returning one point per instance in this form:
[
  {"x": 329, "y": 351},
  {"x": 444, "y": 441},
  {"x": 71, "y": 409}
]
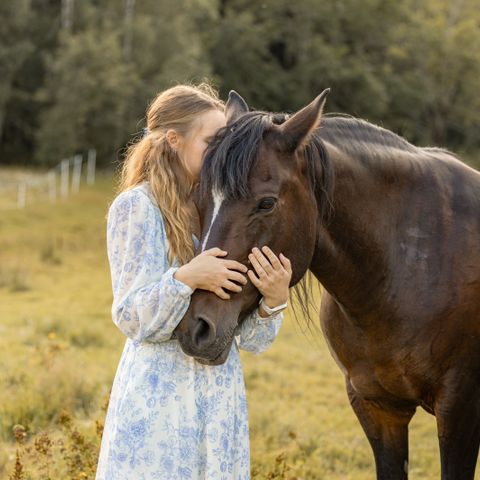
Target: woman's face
[{"x": 196, "y": 141}]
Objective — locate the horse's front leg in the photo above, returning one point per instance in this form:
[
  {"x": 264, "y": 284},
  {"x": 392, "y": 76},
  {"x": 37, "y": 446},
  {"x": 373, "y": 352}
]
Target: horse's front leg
[
  {"x": 387, "y": 431},
  {"x": 457, "y": 409}
]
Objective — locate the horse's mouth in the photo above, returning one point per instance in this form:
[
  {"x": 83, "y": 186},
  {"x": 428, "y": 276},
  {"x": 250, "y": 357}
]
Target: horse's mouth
[{"x": 219, "y": 359}]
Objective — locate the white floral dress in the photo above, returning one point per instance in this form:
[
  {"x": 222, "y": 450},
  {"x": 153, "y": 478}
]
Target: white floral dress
[{"x": 169, "y": 417}]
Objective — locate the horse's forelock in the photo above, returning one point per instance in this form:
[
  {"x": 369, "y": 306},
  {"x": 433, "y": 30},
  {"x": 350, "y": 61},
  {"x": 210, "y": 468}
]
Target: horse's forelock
[{"x": 231, "y": 155}]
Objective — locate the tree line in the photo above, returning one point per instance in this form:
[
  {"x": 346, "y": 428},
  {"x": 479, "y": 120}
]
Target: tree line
[{"x": 80, "y": 74}]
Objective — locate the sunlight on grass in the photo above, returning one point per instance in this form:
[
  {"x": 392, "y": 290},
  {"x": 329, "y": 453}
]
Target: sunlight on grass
[{"x": 60, "y": 351}]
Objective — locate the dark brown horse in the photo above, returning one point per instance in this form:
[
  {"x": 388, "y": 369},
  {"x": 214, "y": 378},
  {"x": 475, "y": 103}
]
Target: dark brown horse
[{"x": 392, "y": 232}]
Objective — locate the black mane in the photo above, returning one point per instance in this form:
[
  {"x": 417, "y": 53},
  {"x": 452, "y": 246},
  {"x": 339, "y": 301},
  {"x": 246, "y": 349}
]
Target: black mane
[
  {"x": 234, "y": 150},
  {"x": 357, "y": 136},
  {"x": 231, "y": 155}
]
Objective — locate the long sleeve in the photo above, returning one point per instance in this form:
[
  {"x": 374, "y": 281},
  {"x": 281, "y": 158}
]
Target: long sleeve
[
  {"x": 256, "y": 334},
  {"x": 148, "y": 302}
]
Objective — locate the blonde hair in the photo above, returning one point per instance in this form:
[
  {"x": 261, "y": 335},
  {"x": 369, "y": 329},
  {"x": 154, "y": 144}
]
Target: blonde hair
[{"x": 151, "y": 158}]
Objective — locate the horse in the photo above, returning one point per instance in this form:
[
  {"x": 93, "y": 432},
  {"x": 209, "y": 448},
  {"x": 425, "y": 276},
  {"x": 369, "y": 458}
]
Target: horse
[{"x": 392, "y": 233}]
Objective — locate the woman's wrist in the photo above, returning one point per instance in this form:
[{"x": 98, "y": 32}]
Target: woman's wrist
[
  {"x": 182, "y": 275},
  {"x": 262, "y": 312},
  {"x": 274, "y": 302},
  {"x": 267, "y": 304}
]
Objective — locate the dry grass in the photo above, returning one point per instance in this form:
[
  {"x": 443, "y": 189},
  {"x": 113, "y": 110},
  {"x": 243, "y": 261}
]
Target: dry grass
[{"x": 60, "y": 350}]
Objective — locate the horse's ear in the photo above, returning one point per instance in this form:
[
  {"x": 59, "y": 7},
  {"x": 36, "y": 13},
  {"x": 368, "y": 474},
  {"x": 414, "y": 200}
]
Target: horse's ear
[
  {"x": 298, "y": 127},
  {"x": 236, "y": 106}
]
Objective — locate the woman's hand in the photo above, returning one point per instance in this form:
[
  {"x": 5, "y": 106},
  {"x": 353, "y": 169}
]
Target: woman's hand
[
  {"x": 208, "y": 272},
  {"x": 272, "y": 277}
]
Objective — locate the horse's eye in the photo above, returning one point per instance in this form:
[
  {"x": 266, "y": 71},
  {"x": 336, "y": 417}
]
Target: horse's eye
[{"x": 266, "y": 204}]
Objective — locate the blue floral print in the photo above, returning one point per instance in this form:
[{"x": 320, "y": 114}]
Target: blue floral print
[{"x": 169, "y": 417}]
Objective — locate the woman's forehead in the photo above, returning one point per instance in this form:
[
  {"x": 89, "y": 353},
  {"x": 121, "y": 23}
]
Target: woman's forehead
[{"x": 211, "y": 121}]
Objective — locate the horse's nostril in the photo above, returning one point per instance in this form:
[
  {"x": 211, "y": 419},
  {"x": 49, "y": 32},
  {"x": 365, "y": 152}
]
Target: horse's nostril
[{"x": 203, "y": 333}]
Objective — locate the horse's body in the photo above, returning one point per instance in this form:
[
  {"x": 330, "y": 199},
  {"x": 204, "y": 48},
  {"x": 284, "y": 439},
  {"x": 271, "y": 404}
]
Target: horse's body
[
  {"x": 399, "y": 258},
  {"x": 400, "y": 262}
]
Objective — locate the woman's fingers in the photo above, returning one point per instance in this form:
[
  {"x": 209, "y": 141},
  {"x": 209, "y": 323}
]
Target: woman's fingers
[
  {"x": 286, "y": 263},
  {"x": 233, "y": 287},
  {"x": 234, "y": 265},
  {"x": 256, "y": 265},
  {"x": 256, "y": 281},
  {"x": 215, "y": 252},
  {"x": 237, "y": 277},
  {"x": 262, "y": 260},
  {"x": 272, "y": 257},
  {"x": 221, "y": 293},
  {"x": 268, "y": 273}
]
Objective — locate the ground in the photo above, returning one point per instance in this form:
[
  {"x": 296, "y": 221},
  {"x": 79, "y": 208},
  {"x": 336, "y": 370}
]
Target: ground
[{"x": 60, "y": 350}]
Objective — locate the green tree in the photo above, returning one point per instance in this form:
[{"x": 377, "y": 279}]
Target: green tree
[
  {"x": 435, "y": 61},
  {"x": 14, "y": 47},
  {"x": 282, "y": 54},
  {"x": 86, "y": 95},
  {"x": 81, "y": 74}
]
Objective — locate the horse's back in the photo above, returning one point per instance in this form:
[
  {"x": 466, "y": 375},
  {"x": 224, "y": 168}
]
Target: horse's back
[{"x": 442, "y": 227}]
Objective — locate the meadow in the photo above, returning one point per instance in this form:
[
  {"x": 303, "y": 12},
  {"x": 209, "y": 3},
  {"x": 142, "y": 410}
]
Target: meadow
[{"x": 60, "y": 348}]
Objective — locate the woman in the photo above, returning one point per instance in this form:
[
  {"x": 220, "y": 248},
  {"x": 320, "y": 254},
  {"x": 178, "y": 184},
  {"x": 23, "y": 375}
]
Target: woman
[{"x": 170, "y": 417}]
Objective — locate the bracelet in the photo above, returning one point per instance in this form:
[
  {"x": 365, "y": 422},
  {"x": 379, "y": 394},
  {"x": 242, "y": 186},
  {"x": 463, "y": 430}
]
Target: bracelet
[{"x": 272, "y": 311}]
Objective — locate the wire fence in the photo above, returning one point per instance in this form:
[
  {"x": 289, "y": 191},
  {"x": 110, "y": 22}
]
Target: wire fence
[{"x": 57, "y": 183}]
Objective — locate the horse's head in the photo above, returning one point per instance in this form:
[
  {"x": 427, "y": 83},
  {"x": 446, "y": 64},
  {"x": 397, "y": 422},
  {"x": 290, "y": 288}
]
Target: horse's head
[{"x": 256, "y": 188}]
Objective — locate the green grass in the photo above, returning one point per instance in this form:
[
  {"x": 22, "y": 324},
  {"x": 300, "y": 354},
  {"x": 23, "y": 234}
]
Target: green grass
[{"x": 60, "y": 350}]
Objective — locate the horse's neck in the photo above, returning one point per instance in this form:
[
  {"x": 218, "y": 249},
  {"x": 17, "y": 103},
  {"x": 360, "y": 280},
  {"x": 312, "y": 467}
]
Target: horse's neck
[{"x": 350, "y": 258}]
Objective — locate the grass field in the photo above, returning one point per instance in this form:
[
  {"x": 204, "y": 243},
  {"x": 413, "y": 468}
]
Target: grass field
[{"x": 60, "y": 350}]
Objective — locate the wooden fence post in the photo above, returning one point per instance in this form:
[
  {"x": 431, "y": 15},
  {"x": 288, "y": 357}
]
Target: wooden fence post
[
  {"x": 92, "y": 155},
  {"x": 52, "y": 185},
  {"x": 77, "y": 171},
  {"x": 64, "y": 171},
  {"x": 22, "y": 195}
]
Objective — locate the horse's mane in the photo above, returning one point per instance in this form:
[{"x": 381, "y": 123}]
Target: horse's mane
[
  {"x": 232, "y": 153},
  {"x": 357, "y": 136},
  {"x": 234, "y": 150}
]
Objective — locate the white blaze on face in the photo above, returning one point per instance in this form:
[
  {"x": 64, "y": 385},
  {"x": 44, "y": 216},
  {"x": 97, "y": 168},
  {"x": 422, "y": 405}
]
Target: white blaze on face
[{"x": 218, "y": 199}]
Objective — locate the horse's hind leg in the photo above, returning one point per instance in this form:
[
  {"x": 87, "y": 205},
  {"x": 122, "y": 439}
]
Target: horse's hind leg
[
  {"x": 458, "y": 422},
  {"x": 387, "y": 431}
]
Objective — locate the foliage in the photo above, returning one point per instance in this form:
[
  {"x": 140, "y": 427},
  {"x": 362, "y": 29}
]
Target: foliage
[
  {"x": 409, "y": 66},
  {"x": 86, "y": 96}
]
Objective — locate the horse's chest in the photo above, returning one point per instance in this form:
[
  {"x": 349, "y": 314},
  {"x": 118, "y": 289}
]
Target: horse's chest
[
  {"x": 372, "y": 377},
  {"x": 369, "y": 361}
]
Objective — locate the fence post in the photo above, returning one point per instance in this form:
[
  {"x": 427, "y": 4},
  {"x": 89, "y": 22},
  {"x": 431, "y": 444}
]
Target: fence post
[
  {"x": 22, "y": 195},
  {"x": 92, "y": 155},
  {"x": 52, "y": 185},
  {"x": 77, "y": 171},
  {"x": 64, "y": 171}
]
